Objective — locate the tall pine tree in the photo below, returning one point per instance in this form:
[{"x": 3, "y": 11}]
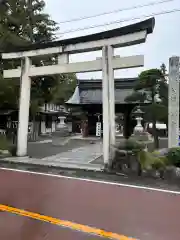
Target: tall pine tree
[{"x": 23, "y": 22}]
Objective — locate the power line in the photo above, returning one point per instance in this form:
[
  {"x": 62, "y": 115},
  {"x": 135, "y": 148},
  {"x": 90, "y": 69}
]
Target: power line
[
  {"x": 116, "y": 11},
  {"x": 119, "y": 21}
]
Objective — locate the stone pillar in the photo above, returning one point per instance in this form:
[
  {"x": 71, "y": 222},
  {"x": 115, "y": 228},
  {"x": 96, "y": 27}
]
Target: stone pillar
[
  {"x": 173, "y": 104},
  {"x": 43, "y": 127},
  {"x": 105, "y": 103},
  {"x": 24, "y": 102},
  {"x": 53, "y": 125},
  {"x": 111, "y": 102}
]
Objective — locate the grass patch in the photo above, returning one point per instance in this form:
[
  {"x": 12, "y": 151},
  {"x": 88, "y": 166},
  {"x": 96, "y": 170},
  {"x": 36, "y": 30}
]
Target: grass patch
[{"x": 4, "y": 144}]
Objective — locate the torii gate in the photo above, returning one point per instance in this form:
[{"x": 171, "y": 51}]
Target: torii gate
[{"x": 105, "y": 41}]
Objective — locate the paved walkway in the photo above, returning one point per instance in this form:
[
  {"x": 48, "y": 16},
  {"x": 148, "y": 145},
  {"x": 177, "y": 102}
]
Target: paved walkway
[
  {"x": 47, "y": 149},
  {"x": 77, "y": 158},
  {"x": 133, "y": 211},
  {"x": 85, "y": 154}
]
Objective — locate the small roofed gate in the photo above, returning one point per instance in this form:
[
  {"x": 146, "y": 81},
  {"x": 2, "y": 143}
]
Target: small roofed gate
[{"x": 105, "y": 41}]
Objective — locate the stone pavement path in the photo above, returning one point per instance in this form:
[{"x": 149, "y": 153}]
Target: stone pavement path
[
  {"x": 45, "y": 149},
  {"x": 77, "y": 156},
  {"x": 84, "y": 154}
]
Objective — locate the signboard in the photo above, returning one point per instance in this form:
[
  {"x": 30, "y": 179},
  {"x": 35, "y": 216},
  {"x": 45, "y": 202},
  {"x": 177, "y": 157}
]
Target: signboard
[{"x": 98, "y": 129}]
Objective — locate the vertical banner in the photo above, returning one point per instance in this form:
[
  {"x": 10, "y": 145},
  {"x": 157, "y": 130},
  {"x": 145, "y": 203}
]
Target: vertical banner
[{"x": 98, "y": 129}]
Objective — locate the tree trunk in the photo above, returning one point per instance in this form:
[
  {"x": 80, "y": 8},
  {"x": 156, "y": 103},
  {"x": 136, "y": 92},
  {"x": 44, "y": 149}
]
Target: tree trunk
[
  {"x": 126, "y": 125},
  {"x": 34, "y": 127},
  {"x": 155, "y": 134},
  {"x": 84, "y": 127},
  {"x": 154, "y": 130}
]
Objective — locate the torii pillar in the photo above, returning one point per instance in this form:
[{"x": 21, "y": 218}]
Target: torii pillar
[{"x": 24, "y": 103}]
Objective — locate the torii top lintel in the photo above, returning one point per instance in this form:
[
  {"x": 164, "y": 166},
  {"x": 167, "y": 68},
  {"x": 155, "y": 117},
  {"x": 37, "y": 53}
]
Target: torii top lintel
[{"x": 86, "y": 43}]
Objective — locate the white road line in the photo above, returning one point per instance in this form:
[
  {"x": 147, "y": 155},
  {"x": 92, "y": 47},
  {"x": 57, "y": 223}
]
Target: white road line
[
  {"x": 43, "y": 141},
  {"x": 95, "y": 181}
]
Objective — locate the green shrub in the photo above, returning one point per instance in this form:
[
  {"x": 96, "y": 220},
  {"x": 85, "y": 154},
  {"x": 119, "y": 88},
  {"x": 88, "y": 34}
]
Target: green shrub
[
  {"x": 156, "y": 153},
  {"x": 131, "y": 145},
  {"x": 174, "y": 156},
  {"x": 144, "y": 159},
  {"x": 159, "y": 163},
  {"x": 4, "y": 145},
  {"x": 152, "y": 160}
]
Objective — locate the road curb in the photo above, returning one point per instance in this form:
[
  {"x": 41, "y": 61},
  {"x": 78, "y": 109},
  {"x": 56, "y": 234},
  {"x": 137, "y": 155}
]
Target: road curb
[{"x": 62, "y": 166}]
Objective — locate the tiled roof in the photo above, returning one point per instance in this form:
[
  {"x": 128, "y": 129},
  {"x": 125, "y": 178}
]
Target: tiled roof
[{"x": 90, "y": 91}]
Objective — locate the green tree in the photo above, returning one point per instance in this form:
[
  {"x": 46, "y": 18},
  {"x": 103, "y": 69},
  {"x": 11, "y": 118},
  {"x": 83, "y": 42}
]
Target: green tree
[
  {"x": 9, "y": 93},
  {"x": 163, "y": 87},
  {"x": 9, "y": 28},
  {"x": 65, "y": 88},
  {"x": 24, "y": 22},
  {"x": 149, "y": 90}
]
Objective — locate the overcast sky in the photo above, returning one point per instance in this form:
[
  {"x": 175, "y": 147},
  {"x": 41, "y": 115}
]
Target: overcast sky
[{"x": 163, "y": 43}]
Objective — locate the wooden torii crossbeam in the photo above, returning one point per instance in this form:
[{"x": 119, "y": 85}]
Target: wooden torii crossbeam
[{"x": 105, "y": 41}]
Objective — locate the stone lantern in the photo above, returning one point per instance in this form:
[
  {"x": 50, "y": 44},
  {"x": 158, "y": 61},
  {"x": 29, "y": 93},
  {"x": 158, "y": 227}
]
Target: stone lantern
[
  {"x": 138, "y": 130},
  {"x": 61, "y": 124},
  {"x": 61, "y": 136}
]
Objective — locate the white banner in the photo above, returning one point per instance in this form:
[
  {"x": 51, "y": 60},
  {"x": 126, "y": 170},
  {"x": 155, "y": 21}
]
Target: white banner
[{"x": 98, "y": 129}]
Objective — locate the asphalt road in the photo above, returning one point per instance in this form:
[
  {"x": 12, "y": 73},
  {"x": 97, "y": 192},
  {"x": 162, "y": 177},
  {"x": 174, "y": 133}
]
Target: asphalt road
[{"x": 141, "y": 213}]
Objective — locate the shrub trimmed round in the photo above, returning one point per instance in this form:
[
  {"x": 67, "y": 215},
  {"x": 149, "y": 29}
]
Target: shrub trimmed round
[{"x": 174, "y": 156}]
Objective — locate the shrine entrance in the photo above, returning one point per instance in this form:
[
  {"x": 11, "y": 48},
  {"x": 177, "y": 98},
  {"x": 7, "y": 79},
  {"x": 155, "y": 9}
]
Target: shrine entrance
[
  {"x": 88, "y": 97},
  {"x": 104, "y": 41}
]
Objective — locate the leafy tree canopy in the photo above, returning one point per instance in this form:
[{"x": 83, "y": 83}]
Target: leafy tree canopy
[
  {"x": 151, "y": 87},
  {"x": 23, "y": 22}
]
